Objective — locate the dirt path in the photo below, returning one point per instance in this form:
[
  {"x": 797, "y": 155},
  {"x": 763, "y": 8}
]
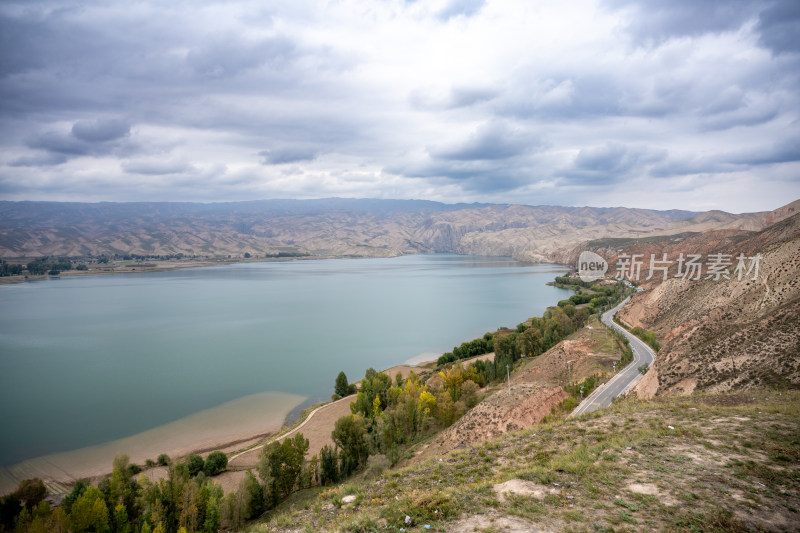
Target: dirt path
[{"x": 316, "y": 428}]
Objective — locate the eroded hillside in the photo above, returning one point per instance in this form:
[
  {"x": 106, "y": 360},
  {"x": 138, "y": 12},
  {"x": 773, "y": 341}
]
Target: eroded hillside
[
  {"x": 326, "y": 228},
  {"x": 719, "y": 334}
]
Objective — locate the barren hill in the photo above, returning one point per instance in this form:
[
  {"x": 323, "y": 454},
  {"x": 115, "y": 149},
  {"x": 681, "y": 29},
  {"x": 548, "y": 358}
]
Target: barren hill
[
  {"x": 719, "y": 334},
  {"x": 331, "y": 228}
]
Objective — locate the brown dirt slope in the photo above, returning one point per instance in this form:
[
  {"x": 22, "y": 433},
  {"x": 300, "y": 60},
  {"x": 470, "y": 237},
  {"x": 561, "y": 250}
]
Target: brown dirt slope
[
  {"x": 589, "y": 351},
  {"x": 536, "y": 388},
  {"x": 526, "y": 405},
  {"x": 719, "y": 334}
]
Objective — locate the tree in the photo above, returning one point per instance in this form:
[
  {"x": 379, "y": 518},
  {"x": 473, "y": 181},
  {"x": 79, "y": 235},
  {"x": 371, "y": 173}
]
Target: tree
[
  {"x": 530, "y": 342},
  {"x": 469, "y": 393},
  {"x": 215, "y": 463},
  {"x": 31, "y": 492},
  {"x": 281, "y": 464},
  {"x": 253, "y": 497},
  {"x": 349, "y": 435},
  {"x": 77, "y": 489},
  {"x": 121, "y": 519},
  {"x": 329, "y": 466},
  {"x": 505, "y": 347},
  {"x": 313, "y": 470},
  {"x": 194, "y": 464},
  {"x": 9, "y": 509},
  {"x": 90, "y": 513},
  {"x": 342, "y": 387}
]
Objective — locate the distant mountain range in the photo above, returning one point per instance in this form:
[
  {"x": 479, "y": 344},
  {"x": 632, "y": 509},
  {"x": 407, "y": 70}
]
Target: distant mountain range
[{"x": 336, "y": 227}]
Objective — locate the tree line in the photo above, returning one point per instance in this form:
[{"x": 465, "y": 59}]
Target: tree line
[
  {"x": 47, "y": 265},
  {"x": 187, "y": 500},
  {"x": 9, "y": 269}
]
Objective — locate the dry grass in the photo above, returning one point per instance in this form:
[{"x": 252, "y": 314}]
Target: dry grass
[{"x": 705, "y": 463}]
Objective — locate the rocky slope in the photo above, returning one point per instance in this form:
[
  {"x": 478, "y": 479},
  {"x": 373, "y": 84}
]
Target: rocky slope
[{"x": 726, "y": 333}]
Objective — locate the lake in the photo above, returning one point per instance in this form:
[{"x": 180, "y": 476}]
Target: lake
[{"x": 87, "y": 360}]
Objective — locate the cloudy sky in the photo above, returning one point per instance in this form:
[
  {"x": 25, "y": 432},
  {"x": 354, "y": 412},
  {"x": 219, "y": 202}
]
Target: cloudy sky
[{"x": 663, "y": 104}]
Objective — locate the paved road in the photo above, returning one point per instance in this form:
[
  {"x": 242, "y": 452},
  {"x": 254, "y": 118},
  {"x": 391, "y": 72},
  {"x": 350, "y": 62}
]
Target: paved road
[{"x": 642, "y": 354}]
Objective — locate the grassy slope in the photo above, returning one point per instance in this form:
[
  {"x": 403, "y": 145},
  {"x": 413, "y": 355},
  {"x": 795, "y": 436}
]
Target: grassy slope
[{"x": 728, "y": 462}]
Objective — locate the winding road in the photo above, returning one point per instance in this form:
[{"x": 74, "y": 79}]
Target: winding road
[{"x": 625, "y": 378}]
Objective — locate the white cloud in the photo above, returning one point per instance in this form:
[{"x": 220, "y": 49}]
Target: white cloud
[{"x": 455, "y": 100}]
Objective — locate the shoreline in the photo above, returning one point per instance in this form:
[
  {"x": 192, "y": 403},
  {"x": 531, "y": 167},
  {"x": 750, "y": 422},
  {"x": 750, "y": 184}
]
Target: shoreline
[
  {"x": 171, "y": 265},
  {"x": 53, "y": 467},
  {"x": 160, "y": 266},
  {"x": 182, "y": 437},
  {"x": 227, "y": 427}
]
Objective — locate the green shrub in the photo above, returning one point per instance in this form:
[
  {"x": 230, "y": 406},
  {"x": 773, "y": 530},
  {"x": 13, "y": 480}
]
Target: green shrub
[
  {"x": 215, "y": 463},
  {"x": 194, "y": 464}
]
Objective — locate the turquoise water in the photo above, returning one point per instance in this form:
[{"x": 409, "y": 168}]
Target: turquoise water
[{"x": 88, "y": 360}]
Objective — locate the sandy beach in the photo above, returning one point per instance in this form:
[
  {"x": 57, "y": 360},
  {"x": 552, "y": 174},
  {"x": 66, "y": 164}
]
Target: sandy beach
[{"x": 232, "y": 425}]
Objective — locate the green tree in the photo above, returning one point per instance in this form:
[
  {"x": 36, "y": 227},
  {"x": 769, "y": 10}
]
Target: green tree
[
  {"x": 254, "y": 505},
  {"x": 349, "y": 435},
  {"x": 121, "y": 519},
  {"x": 216, "y": 462},
  {"x": 530, "y": 342},
  {"x": 77, "y": 489},
  {"x": 342, "y": 387},
  {"x": 194, "y": 464},
  {"x": 329, "y": 466},
  {"x": 90, "y": 513},
  {"x": 10, "y": 507},
  {"x": 281, "y": 464},
  {"x": 505, "y": 346}
]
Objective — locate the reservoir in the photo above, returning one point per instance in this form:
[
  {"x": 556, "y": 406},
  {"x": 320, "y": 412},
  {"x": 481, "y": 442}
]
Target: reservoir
[{"x": 88, "y": 360}]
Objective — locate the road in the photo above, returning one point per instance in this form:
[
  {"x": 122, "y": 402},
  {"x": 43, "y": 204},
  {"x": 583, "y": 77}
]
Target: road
[{"x": 625, "y": 378}]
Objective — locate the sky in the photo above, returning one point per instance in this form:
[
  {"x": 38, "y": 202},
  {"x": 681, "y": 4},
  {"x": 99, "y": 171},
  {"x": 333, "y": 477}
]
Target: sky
[{"x": 681, "y": 104}]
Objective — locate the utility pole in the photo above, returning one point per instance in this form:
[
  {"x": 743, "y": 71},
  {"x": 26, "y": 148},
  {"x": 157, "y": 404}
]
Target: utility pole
[{"x": 508, "y": 376}]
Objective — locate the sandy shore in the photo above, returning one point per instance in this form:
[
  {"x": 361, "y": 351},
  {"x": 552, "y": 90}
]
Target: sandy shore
[{"x": 232, "y": 425}]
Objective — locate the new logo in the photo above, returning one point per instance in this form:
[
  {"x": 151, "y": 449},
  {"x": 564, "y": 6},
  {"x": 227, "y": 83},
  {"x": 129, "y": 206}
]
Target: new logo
[{"x": 591, "y": 266}]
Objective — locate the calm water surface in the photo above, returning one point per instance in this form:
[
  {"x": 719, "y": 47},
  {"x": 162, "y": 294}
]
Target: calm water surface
[{"x": 88, "y": 360}]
